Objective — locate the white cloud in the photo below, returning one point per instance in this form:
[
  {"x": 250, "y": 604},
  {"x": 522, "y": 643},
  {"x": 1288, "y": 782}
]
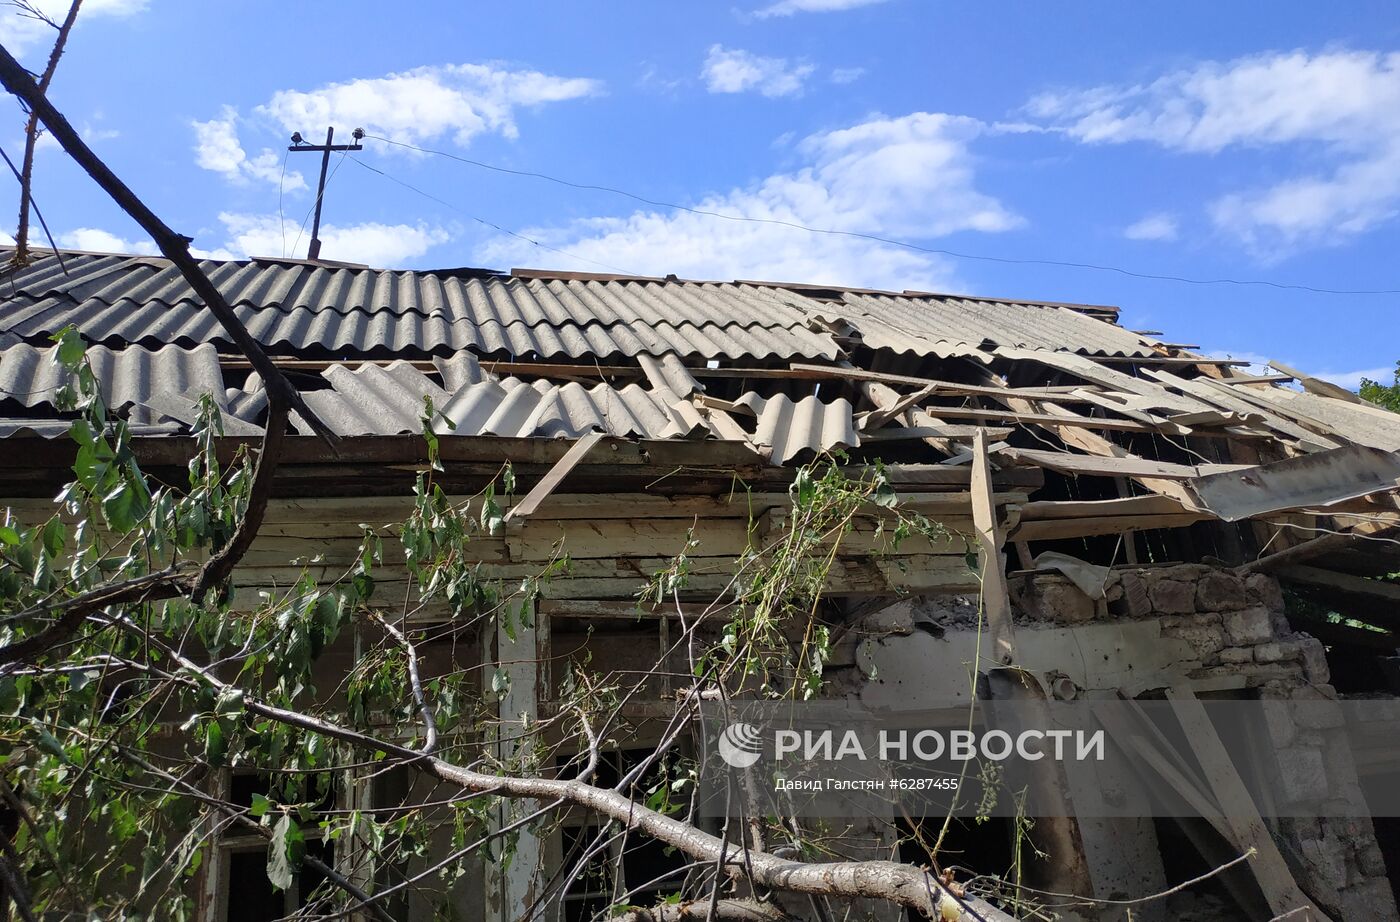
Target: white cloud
[
  {"x": 739, "y": 71},
  {"x": 460, "y": 100},
  {"x": 1159, "y": 226},
  {"x": 101, "y": 241},
  {"x": 844, "y": 75},
  {"x": 217, "y": 148},
  {"x": 909, "y": 177},
  {"x": 374, "y": 244},
  {"x": 20, "y": 32},
  {"x": 788, "y": 7},
  {"x": 1344, "y": 104},
  {"x": 379, "y": 245}
]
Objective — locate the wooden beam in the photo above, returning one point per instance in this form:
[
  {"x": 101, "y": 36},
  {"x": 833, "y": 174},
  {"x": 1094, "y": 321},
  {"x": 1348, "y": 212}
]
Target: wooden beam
[
  {"x": 995, "y": 597},
  {"x": 1054, "y": 529},
  {"x": 1120, "y": 464},
  {"x": 513, "y": 884},
  {"x": 1316, "y": 385},
  {"x": 1240, "y": 813},
  {"x": 1314, "y": 547},
  {"x": 550, "y": 482},
  {"x": 1065, "y": 419},
  {"x": 1344, "y": 635},
  {"x": 1344, "y": 583},
  {"x": 1125, "y": 506},
  {"x": 951, "y": 432}
]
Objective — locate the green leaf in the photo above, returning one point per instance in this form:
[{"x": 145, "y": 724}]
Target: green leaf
[
  {"x": 260, "y": 805},
  {"x": 229, "y": 703},
  {"x": 55, "y": 536},
  {"x": 884, "y": 494},
  {"x": 215, "y": 743},
  {"x": 70, "y": 347},
  {"x": 500, "y": 681},
  {"x": 803, "y": 490},
  {"x": 119, "y": 507},
  {"x": 285, "y": 853},
  {"x": 8, "y": 536}
]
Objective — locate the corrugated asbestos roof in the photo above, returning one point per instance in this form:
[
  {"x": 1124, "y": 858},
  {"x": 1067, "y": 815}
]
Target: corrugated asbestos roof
[
  {"x": 158, "y": 391},
  {"x": 389, "y": 400},
  {"x": 788, "y": 428},
  {"x": 29, "y": 376},
  {"x": 300, "y": 307},
  {"x": 933, "y": 324}
]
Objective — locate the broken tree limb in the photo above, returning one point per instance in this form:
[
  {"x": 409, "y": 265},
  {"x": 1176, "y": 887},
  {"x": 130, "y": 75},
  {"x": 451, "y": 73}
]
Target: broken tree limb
[
  {"x": 705, "y": 910},
  {"x": 904, "y": 885}
]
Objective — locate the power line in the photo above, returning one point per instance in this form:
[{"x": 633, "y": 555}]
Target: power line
[
  {"x": 490, "y": 224},
  {"x": 936, "y": 251}
]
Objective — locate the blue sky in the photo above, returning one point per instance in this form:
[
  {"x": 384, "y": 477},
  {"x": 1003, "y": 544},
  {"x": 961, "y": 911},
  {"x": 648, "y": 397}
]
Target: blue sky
[{"x": 1199, "y": 139}]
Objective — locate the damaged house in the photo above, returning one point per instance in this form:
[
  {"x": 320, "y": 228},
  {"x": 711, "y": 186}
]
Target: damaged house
[{"x": 1119, "y": 518}]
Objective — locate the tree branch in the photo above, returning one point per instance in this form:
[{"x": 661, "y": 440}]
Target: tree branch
[
  {"x": 152, "y": 587},
  {"x": 902, "y": 884},
  {"x": 704, "y": 910}
]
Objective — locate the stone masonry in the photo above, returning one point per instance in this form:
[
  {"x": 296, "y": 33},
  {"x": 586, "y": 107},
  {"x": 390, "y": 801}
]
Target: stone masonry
[{"x": 1236, "y": 630}]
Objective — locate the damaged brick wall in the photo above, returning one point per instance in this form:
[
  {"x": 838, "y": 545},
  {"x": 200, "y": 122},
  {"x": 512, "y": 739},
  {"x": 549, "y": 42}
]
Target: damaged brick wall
[{"x": 1240, "y": 638}]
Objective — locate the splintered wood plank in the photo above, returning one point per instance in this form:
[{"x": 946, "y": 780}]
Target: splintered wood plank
[
  {"x": 1052, "y": 529},
  {"x": 1270, "y": 870},
  {"x": 996, "y": 599},
  {"x": 1126, "y": 505},
  {"x": 556, "y": 475},
  {"x": 1101, "y": 464}
]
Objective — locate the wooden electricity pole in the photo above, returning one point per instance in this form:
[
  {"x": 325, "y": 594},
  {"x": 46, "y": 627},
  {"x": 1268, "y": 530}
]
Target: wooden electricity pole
[{"x": 314, "y": 250}]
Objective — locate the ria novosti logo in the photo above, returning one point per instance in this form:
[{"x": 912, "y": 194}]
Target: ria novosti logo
[{"x": 741, "y": 745}]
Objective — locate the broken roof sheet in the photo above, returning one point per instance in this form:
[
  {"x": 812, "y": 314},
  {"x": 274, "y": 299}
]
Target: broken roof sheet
[
  {"x": 29, "y": 376},
  {"x": 659, "y": 359},
  {"x": 914, "y": 323}
]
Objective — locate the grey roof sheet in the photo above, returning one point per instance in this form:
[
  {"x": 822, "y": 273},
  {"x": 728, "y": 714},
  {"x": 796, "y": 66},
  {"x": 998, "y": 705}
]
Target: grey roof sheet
[
  {"x": 935, "y": 323},
  {"x": 134, "y": 375},
  {"x": 389, "y": 400},
  {"x": 302, "y": 307},
  {"x": 789, "y": 428}
]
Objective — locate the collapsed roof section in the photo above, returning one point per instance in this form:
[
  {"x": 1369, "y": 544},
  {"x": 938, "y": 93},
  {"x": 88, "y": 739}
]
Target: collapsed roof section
[{"x": 783, "y": 371}]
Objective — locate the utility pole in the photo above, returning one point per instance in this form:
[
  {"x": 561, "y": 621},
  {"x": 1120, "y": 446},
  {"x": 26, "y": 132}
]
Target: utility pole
[{"x": 314, "y": 250}]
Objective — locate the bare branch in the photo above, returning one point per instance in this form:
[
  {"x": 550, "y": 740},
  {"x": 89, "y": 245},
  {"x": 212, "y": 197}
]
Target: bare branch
[
  {"x": 31, "y": 138},
  {"x": 236, "y": 815},
  {"x": 416, "y": 682}
]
